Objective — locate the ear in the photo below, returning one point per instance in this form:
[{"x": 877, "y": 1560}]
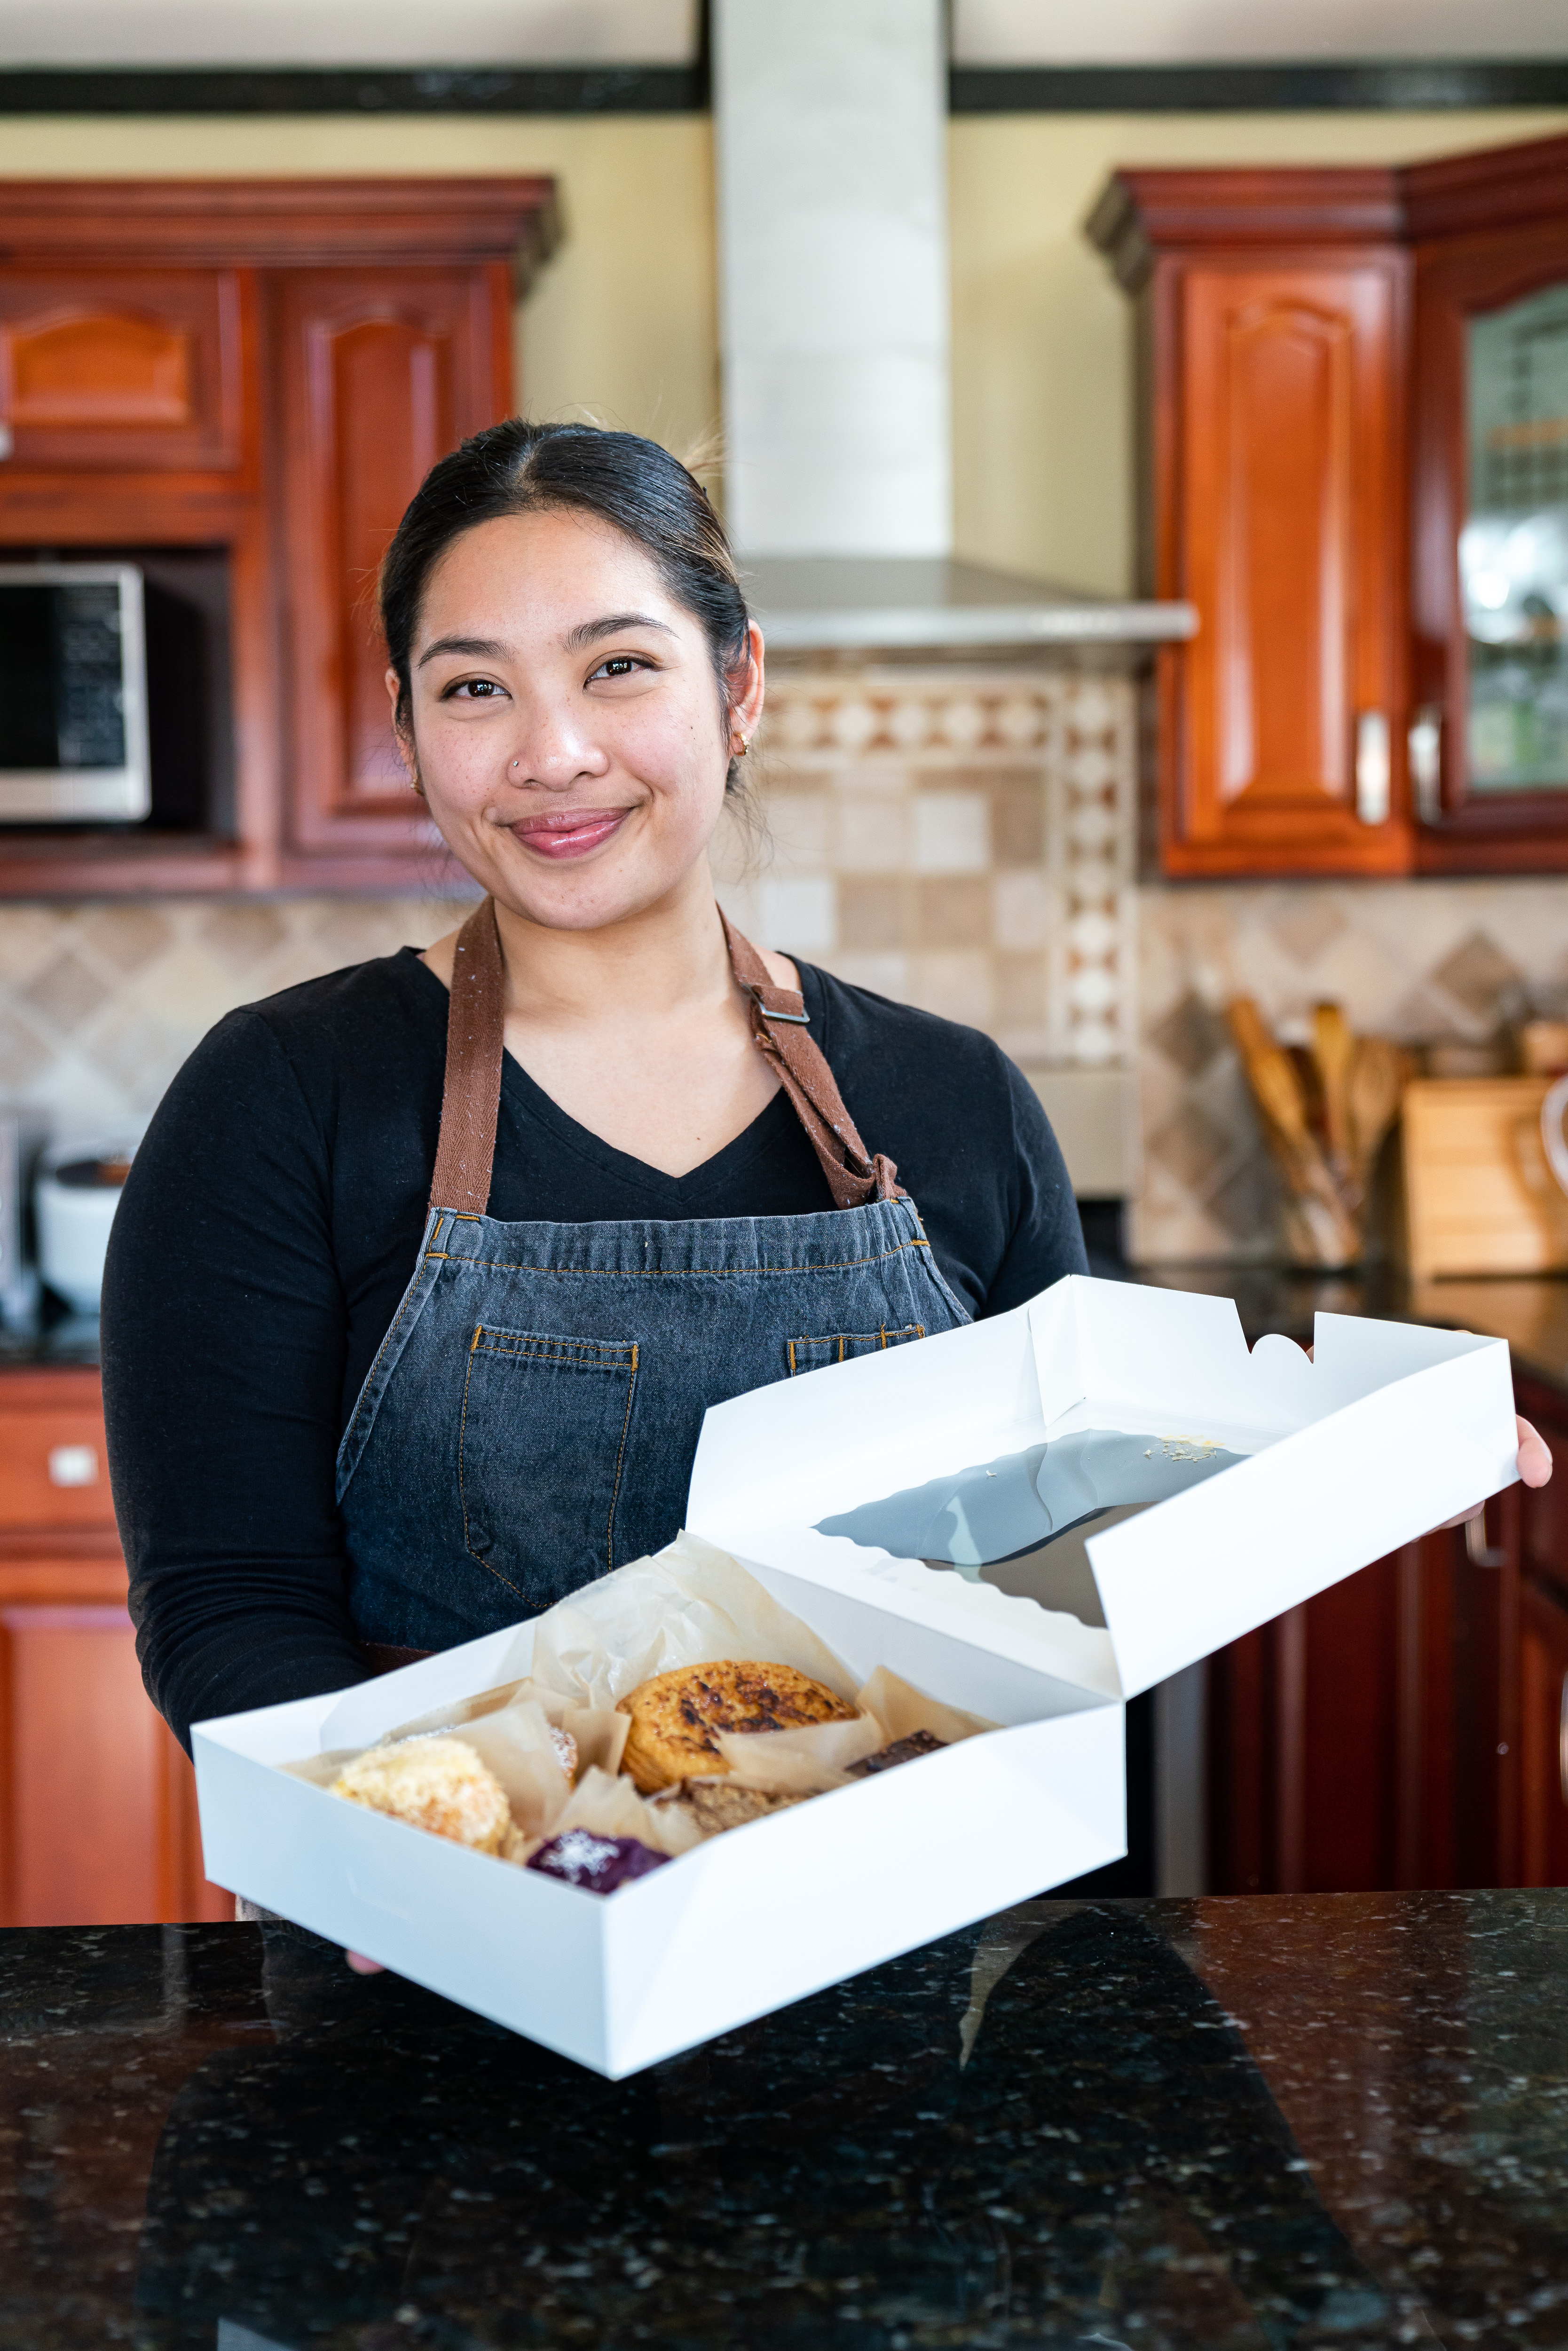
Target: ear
[
  {"x": 400, "y": 735},
  {"x": 746, "y": 691}
]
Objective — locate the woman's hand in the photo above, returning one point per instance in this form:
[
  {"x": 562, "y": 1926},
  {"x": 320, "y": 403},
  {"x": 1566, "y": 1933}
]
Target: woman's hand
[
  {"x": 1535, "y": 1469},
  {"x": 363, "y": 1966}
]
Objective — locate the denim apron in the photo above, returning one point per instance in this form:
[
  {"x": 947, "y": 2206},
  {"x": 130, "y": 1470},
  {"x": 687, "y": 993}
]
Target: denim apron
[{"x": 531, "y": 1418}]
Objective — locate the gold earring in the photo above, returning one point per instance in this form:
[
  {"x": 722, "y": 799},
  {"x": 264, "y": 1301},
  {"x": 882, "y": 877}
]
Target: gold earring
[{"x": 745, "y": 747}]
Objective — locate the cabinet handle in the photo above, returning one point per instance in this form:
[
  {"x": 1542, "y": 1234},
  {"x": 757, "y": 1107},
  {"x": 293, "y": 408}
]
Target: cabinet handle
[
  {"x": 73, "y": 1465},
  {"x": 1373, "y": 767},
  {"x": 1563, "y": 1741},
  {"x": 1475, "y": 1545},
  {"x": 8, "y": 441},
  {"x": 1426, "y": 762}
]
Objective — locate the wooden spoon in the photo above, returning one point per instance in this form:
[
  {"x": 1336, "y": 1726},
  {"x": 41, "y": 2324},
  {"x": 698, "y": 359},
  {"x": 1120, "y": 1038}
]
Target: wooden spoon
[
  {"x": 1278, "y": 1092},
  {"x": 1334, "y": 1050},
  {"x": 1376, "y": 1085}
]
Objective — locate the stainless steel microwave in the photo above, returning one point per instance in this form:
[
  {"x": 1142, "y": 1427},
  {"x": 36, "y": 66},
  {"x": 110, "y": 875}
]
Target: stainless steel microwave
[{"x": 73, "y": 694}]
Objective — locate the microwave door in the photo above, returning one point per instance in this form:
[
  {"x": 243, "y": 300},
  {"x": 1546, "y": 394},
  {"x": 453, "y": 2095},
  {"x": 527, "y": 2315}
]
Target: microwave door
[{"x": 73, "y": 694}]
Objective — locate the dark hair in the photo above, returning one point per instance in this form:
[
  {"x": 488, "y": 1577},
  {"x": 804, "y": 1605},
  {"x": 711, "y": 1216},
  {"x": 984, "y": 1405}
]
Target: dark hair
[{"x": 517, "y": 468}]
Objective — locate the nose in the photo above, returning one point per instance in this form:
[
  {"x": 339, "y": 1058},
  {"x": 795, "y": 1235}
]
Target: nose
[{"x": 550, "y": 749}]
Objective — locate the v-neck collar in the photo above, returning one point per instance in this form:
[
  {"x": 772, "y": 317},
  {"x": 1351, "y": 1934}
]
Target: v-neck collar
[{"x": 527, "y": 1099}]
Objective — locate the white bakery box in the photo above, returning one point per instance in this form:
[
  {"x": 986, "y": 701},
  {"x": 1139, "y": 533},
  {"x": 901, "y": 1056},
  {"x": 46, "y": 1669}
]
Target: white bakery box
[{"x": 1390, "y": 1430}]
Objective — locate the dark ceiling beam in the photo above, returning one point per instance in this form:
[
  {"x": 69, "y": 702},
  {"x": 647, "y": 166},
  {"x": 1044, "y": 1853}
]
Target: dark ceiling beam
[
  {"x": 1405, "y": 85},
  {"x": 354, "y": 89}
]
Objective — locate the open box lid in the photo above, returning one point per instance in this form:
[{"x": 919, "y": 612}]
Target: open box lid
[{"x": 1392, "y": 1429}]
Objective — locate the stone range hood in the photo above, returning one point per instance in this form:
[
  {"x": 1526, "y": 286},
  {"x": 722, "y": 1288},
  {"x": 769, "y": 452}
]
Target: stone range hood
[{"x": 831, "y": 122}]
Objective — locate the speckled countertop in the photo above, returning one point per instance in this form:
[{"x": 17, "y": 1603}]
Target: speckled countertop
[{"x": 1306, "y": 2120}]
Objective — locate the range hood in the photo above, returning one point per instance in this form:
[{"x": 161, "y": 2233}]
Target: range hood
[
  {"x": 834, "y": 603},
  {"x": 831, "y": 119}
]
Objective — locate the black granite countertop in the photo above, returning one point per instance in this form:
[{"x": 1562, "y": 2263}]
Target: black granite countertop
[{"x": 1305, "y": 2120}]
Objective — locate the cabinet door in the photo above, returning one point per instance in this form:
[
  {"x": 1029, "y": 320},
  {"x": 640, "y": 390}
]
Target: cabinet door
[
  {"x": 98, "y": 1822},
  {"x": 1329, "y": 1737},
  {"x": 134, "y": 371},
  {"x": 1279, "y": 433},
  {"x": 1491, "y": 594},
  {"x": 1370, "y": 1739},
  {"x": 1543, "y": 1739},
  {"x": 383, "y": 372}
]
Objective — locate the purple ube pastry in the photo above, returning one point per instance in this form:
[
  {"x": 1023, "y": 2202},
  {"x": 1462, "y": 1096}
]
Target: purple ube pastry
[{"x": 599, "y": 1863}]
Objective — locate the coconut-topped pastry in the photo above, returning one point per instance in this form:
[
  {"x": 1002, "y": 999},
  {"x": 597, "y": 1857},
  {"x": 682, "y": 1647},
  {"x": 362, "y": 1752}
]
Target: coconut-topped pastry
[
  {"x": 675, "y": 1715},
  {"x": 439, "y": 1784}
]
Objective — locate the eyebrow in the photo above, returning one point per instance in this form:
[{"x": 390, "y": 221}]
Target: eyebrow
[
  {"x": 589, "y": 633},
  {"x": 470, "y": 648}
]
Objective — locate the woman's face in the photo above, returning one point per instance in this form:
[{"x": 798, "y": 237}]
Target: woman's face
[{"x": 566, "y": 723}]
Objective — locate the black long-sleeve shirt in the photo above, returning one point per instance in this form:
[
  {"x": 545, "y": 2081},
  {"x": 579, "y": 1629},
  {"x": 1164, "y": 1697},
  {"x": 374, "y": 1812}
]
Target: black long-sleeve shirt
[{"x": 272, "y": 1220}]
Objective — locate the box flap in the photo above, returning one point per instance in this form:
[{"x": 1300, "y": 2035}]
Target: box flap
[{"x": 1320, "y": 1468}]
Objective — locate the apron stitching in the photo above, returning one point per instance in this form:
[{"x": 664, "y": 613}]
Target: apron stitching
[
  {"x": 462, "y": 1492},
  {"x": 409, "y": 1302},
  {"x": 586, "y": 1353},
  {"x": 620, "y": 1457},
  {"x": 676, "y": 1272}
]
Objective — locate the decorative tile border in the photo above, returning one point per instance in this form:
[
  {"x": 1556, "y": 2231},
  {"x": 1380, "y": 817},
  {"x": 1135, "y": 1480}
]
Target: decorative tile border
[{"x": 959, "y": 838}]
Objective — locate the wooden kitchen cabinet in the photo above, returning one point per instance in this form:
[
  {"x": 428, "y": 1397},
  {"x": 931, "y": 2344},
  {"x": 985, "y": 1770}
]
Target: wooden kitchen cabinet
[
  {"x": 1322, "y": 477},
  {"x": 255, "y": 374},
  {"x": 98, "y": 1814},
  {"x": 379, "y": 379},
  {"x": 1405, "y": 1728}
]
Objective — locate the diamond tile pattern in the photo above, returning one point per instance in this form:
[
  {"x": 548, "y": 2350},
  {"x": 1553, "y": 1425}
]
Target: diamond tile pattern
[{"x": 1418, "y": 961}]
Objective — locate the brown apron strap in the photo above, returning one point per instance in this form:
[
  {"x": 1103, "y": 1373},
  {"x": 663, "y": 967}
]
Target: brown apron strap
[
  {"x": 780, "y": 1025},
  {"x": 476, "y": 1039},
  {"x": 471, "y": 1096}
]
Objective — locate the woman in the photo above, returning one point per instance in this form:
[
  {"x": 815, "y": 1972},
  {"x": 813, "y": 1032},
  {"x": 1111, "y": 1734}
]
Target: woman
[{"x": 426, "y": 1271}]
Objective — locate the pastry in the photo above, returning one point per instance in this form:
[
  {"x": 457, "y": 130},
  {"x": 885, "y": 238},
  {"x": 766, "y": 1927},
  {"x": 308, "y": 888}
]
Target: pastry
[
  {"x": 599, "y": 1863},
  {"x": 439, "y": 1784},
  {"x": 565, "y": 1746},
  {"x": 902, "y": 1750},
  {"x": 718, "y": 1805},
  {"x": 675, "y": 1716}
]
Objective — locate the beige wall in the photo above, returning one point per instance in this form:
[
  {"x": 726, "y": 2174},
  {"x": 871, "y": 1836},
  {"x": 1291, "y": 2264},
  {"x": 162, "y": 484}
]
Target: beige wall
[
  {"x": 1041, "y": 349},
  {"x": 621, "y": 323}
]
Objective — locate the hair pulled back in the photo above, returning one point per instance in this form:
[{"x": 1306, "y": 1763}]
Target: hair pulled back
[{"x": 517, "y": 468}]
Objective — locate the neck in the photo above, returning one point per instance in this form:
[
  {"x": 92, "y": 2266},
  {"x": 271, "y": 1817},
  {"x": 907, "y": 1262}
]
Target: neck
[{"x": 665, "y": 958}]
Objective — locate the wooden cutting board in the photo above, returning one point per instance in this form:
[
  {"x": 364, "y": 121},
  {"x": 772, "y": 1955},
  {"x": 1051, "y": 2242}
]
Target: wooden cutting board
[{"x": 1480, "y": 1196}]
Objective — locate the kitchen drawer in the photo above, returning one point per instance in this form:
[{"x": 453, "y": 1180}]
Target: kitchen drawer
[{"x": 54, "y": 1469}]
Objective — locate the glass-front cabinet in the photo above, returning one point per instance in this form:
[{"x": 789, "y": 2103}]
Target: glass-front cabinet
[
  {"x": 1513, "y": 546},
  {"x": 1488, "y": 374},
  {"x": 1355, "y": 437}
]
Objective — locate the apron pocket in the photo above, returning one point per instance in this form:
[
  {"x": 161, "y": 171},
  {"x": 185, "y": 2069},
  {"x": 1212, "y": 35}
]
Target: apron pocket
[
  {"x": 539, "y": 1457},
  {"x": 810, "y": 1354}
]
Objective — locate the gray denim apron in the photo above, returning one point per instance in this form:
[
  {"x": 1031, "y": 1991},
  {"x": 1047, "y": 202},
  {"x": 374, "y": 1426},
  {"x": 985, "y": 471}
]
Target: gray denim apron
[{"x": 531, "y": 1418}]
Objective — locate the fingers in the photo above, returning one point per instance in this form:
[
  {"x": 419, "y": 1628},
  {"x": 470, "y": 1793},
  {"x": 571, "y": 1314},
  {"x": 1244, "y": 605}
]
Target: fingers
[
  {"x": 1534, "y": 1455},
  {"x": 363, "y": 1966}
]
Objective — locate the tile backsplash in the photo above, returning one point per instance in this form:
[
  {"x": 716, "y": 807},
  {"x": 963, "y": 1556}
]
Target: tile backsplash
[
  {"x": 958, "y": 836},
  {"x": 99, "y": 1004},
  {"x": 1418, "y": 961}
]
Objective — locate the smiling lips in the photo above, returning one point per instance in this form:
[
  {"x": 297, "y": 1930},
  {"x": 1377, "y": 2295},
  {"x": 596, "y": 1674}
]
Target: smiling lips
[{"x": 560, "y": 834}]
